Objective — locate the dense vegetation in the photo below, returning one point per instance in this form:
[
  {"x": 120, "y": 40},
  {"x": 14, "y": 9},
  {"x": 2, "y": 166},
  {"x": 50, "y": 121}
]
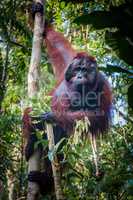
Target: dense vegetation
[{"x": 85, "y": 26}]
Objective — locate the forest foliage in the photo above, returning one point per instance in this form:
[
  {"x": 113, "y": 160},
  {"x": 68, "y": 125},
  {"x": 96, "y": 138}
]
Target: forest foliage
[{"x": 89, "y": 25}]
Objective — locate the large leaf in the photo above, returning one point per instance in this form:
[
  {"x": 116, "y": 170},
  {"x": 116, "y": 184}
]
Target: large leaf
[
  {"x": 121, "y": 45},
  {"x": 120, "y": 17},
  {"x": 98, "y": 19}
]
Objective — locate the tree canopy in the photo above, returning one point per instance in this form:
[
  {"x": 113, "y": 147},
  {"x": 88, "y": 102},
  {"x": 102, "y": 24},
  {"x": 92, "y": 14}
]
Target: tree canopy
[{"x": 105, "y": 30}]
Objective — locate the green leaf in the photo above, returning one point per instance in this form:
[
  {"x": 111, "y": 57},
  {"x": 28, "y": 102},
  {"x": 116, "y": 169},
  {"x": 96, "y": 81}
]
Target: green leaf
[
  {"x": 116, "y": 68},
  {"x": 121, "y": 45},
  {"x": 60, "y": 144},
  {"x": 98, "y": 19},
  {"x": 42, "y": 142}
]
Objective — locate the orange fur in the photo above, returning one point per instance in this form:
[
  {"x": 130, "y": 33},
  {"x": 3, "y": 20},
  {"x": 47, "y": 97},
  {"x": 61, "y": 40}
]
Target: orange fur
[
  {"x": 26, "y": 122},
  {"x": 59, "y": 50}
]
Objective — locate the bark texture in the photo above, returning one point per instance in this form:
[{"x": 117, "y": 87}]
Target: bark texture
[
  {"x": 33, "y": 88},
  {"x": 55, "y": 165}
]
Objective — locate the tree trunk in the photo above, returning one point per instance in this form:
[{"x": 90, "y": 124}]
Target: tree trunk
[
  {"x": 33, "y": 75},
  {"x": 55, "y": 165},
  {"x": 33, "y": 88}
]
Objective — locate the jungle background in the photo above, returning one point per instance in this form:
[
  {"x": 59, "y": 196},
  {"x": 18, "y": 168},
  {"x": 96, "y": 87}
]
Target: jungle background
[{"x": 104, "y": 28}]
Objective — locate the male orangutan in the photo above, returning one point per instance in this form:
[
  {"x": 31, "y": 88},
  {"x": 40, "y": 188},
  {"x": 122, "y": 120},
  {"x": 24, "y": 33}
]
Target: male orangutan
[{"x": 82, "y": 91}]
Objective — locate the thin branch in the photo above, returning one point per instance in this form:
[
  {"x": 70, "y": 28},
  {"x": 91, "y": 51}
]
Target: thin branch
[
  {"x": 127, "y": 118},
  {"x": 16, "y": 44}
]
